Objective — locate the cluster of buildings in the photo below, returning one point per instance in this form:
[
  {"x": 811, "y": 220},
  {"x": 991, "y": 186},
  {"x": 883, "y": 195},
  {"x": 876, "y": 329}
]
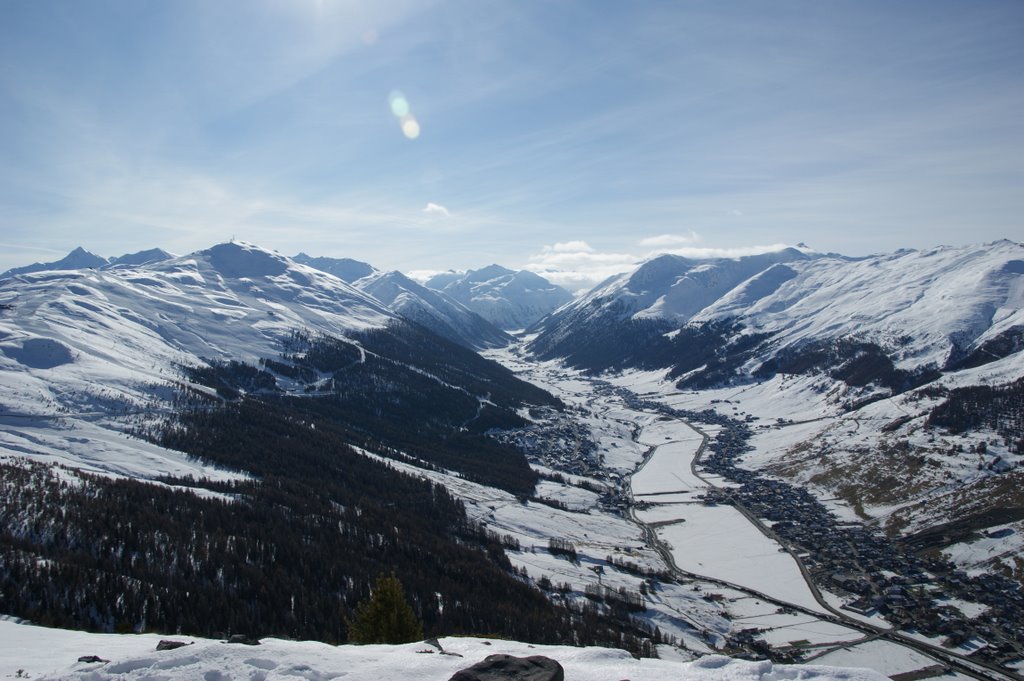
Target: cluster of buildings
[
  {"x": 876, "y": 575},
  {"x": 558, "y": 441}
]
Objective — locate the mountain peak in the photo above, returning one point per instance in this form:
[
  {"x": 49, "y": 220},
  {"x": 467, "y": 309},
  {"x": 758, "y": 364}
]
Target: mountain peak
[
  {"x": 492, "y": 271},
  {"x": 77, "y": 259},
  {"x": 346, "y": 269},
  {"x": 142, "y": 257},
  {"x": 238, "y": 259}
]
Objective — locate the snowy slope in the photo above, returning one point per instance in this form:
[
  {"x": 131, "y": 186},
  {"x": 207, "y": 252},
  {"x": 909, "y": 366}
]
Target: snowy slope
[
  {"x": 52, "y": 653},
  {"x": 82, "y": 351},
  {"x": 508, "y": 299},
  {"x": 346, "y": 269},
  {"x": 669, "y": 287},
  {"x": 924, "y": 305},
  {"x": 920, "y": 307},
  {"x": 140, "y": 257},
  {"x": 433, "y": 309}
]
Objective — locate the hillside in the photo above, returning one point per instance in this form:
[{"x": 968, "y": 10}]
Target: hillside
[
  {"x": 436, "y": 311},
  {"x": 234, "y": 378}
]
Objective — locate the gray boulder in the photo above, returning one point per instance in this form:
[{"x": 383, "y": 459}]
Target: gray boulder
[
  {"x": 167, "y": 644},
  {"x": 509, "y": 668}
]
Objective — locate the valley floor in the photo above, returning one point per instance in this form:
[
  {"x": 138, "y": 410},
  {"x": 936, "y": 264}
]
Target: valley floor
[{"x": 734, "y": 578}]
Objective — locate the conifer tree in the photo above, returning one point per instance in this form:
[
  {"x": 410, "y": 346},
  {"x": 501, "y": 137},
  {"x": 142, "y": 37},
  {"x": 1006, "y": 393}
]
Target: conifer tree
[{"x": 385, "y": 617}]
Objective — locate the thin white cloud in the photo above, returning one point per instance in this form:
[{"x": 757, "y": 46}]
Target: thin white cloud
[
  {"x": 576, "y": 265},
  {"x": 436, "y": 209},
  {"x": 421, "y": 276},
  {"x": 569, "y": 247},
  {"x": 670, "y": 240}
]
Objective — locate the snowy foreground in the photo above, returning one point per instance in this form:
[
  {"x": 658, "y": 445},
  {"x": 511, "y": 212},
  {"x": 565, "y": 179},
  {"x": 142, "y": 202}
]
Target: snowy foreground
[{"x": 37, "y": 652}]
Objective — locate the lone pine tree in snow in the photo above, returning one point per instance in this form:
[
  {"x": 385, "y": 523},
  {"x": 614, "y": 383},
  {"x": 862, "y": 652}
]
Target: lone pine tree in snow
[{"x": 385, "y": 617}]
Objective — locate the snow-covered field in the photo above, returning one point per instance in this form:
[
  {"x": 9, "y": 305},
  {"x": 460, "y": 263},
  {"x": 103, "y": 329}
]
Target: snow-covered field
[
  {"x": 38, "y": 653},
  {"x": 719, "y": 542}
]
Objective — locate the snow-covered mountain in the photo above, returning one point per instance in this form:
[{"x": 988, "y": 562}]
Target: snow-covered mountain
[
  {"x": 346, "y": 269},
  {"x": 82, "y": 259},
  {"x": 76, "y": 259},
  {"x": 438, "y": 312},
  {"x": 919, "y": 309},
  {"x": 231, "y": 301},
  {"x": 141, "y": 257},
  {"x": 508, "y": 299},
  {"x": 435, "y": 310},
  {"x": 99, "y": 340}
]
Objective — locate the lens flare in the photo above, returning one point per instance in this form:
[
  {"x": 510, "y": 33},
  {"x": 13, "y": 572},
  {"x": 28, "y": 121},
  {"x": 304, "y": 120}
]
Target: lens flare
[
  {"x": 403, "y": 112},
  {"x": 410, "y": 127},
  {"x": 399, "y": 104}
]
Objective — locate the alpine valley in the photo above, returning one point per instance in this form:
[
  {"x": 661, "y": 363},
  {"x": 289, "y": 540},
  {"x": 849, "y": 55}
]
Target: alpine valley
[{"x": 794, "y": 456}]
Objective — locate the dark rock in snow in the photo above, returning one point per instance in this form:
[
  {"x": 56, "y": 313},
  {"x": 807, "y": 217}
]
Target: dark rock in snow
[
  {"x": 91, "y": 659},
  {"x": 166, "y": 644},
  {"x": 509, "y": 668},
  {"x": 243, "y": 639}
]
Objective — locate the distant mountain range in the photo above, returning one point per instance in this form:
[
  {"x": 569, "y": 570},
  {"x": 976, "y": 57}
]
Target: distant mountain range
[
  {"x": 83, "y": 259},
  {"x": 725, "y": 320},
  {"x": 477, "y": 311},
  {"x": 508, "y": 299}
]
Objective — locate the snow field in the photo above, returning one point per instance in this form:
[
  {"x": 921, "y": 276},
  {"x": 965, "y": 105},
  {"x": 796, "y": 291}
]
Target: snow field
[
  {"x": 719, "y": 542},
  {"x": 887, "y": 658},
  {"x": 668, "y": 470},
  {"x": 37, "y": 652}
]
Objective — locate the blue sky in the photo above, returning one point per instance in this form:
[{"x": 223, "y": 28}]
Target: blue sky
[{"x": 569, "y": 137}]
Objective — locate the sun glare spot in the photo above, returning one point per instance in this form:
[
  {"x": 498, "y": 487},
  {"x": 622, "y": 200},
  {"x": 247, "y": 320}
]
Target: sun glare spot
[
  {"x": 399, "y": 104},
  {"x": 410, "y": 127}
]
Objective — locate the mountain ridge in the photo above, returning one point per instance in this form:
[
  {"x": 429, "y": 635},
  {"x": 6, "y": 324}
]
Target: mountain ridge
[{"x": 509, "y": 299}]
